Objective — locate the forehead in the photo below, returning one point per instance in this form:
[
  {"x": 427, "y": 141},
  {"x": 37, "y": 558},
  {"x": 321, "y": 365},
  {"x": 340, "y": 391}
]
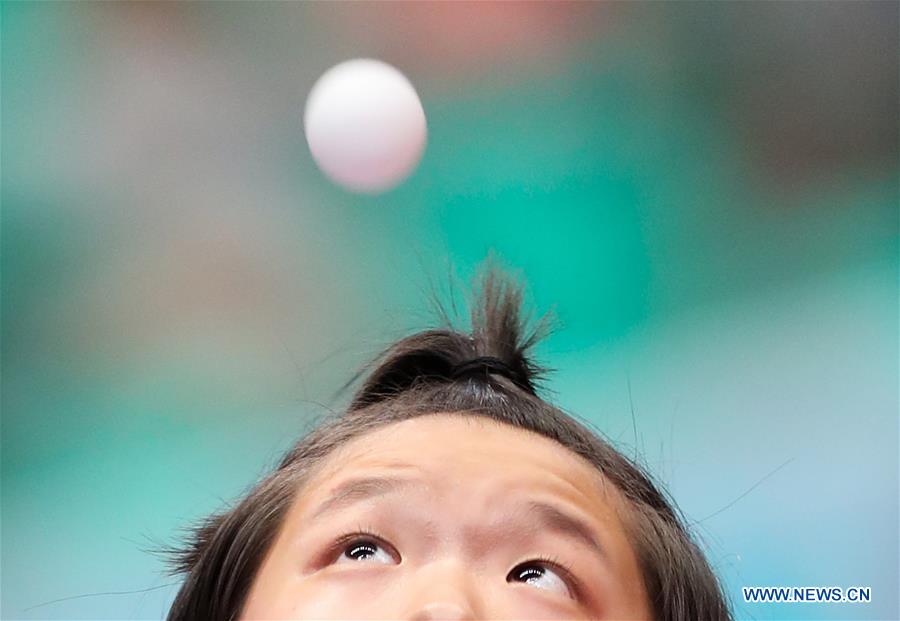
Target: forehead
[
  {"x": 467, "y": 454},
  {"x": 459, "y": 484}
]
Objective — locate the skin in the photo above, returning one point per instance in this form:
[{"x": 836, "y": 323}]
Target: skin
[{"x": 459, "y": 510}]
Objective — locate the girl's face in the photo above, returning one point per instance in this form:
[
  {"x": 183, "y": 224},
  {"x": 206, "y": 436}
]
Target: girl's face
[{"x": 452, "y": 517}]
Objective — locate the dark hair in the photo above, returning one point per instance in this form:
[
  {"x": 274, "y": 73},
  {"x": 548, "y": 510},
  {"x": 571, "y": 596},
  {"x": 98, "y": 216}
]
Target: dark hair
[{"x": 486, "y": 373}]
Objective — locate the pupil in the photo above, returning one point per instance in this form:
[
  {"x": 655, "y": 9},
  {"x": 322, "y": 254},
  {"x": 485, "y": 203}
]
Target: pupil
[
  {"x": 530, "y": 573},
  {"x": 359, "y": 551}
]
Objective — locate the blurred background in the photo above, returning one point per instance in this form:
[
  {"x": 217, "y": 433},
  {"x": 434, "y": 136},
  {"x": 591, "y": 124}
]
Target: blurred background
[{"x": 705, "y": 194}]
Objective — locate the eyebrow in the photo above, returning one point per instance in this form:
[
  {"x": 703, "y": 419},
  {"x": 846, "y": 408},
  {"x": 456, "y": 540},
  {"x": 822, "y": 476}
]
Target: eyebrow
[
  {"x": 555, "y": 519},
  {"x": 547, "y": 516},
  {"x": 359, "y": 489}
]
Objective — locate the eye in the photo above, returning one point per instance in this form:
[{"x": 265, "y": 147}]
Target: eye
[
  {"x": 543, "y": 575},
  {"x": 366, "y": 549}
]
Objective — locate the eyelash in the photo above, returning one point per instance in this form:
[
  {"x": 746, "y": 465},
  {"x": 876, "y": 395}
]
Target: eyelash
[
  {"x": 362, "y": 533},
  {"x": 558, "y": 565}
]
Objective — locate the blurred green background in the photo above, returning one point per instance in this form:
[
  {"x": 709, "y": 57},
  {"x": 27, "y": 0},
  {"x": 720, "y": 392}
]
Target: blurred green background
[{"x": 705, "y": 194}]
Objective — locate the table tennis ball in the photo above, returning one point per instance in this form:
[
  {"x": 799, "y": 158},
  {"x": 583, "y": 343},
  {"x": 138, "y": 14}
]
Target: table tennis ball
[{"x": 365, "y": 125}]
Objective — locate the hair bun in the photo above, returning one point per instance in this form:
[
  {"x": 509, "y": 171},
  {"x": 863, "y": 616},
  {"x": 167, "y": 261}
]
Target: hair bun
[
  {"x": 497, "y": 346},
  {"x": 487, "y": 365}
]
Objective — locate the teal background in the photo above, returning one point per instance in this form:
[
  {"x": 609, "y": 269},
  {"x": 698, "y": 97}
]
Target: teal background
[{"x": 705, "y": 194}]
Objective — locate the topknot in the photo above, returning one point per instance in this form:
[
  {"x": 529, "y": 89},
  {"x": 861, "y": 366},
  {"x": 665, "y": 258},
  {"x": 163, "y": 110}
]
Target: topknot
[{"x": 499, "y": 344}]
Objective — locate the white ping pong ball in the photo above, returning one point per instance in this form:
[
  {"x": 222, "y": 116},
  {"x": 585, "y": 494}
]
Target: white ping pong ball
[{"x": 365, "y": 125}]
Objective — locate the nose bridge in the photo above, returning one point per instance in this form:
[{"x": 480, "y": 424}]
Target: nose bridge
[{"x": 445, "y": 590}]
